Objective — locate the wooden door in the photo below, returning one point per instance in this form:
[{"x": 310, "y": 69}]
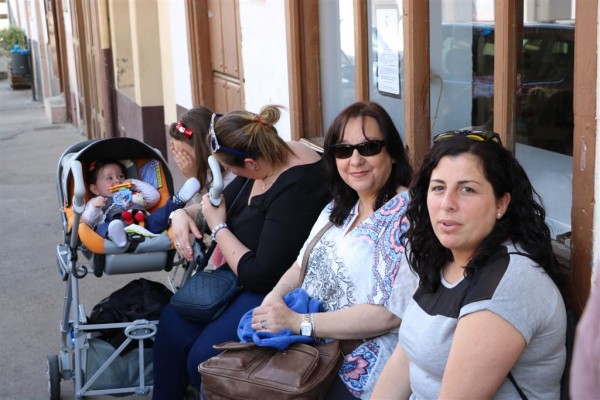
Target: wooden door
[{"x": 217, "y": 77}]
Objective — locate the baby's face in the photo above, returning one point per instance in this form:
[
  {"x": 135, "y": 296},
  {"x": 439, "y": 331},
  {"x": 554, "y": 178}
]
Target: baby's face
[{"x": 108, "y": 176}]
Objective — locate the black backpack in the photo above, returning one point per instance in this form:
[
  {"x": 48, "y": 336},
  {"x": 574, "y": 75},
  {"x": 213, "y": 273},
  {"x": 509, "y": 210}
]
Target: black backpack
[{"x": 139, "y": 299}]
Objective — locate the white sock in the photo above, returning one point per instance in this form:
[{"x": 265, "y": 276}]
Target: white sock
[
  {"x": 116, "y": 233},
  {"x": 187, "y": 191}
]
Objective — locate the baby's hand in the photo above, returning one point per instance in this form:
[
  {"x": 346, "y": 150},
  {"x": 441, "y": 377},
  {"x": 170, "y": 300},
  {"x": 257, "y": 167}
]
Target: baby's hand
[{"x": 99, "y": 201}]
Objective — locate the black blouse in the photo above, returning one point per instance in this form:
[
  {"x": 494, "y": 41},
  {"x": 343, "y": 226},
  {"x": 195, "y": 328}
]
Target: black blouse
[{"x": 276, "y": 223}]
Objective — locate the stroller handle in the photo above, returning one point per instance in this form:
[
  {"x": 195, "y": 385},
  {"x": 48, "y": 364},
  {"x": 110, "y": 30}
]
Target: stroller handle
[{"x": 79, "y": 187}]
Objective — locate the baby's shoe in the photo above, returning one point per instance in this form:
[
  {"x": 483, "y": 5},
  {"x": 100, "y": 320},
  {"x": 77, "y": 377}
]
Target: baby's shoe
[
  {"x": 187, "y": 191},
  {"x": 116, "y": 233}
]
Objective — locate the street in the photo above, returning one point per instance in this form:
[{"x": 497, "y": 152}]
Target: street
[{"x": 31, "y": 289}]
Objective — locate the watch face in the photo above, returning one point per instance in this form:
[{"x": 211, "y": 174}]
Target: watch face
[{"x": 305, "y": 329}]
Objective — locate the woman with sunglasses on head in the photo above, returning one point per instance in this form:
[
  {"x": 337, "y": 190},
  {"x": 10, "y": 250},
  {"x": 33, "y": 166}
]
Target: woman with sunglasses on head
[
  {"x": 353, "y": 265},
  {"x": 263, "y": 218},
  {"x": 487, "y": 320}
]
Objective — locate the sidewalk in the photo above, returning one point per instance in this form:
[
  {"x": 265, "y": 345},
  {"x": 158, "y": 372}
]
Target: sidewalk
[{"x": 31, "y": 290}]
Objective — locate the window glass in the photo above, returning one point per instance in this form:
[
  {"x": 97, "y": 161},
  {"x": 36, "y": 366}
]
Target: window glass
[
  {"x": 386, "y": 57},
  {"x": 462, "y": 89},
  {"x": 337, "y": 57}
]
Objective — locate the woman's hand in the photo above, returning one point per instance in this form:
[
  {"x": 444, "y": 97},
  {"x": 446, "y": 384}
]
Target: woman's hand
[
  {"x": 184, "y": 160},
  {"x": 181, "y": 227},
  {"x": 213, "y": 215},
  {"x": 273, "y": 315}
]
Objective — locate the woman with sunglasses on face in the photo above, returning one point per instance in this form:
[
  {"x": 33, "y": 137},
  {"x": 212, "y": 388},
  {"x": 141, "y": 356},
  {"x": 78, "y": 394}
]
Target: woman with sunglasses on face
[
  {"x": 353, "y": 265},
  {"x": 487, "y": 320},
  {"x": 264, "y": 216}
]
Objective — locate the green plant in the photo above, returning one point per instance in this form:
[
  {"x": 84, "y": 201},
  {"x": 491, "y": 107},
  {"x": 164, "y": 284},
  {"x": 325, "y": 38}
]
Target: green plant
[{"x": 11, "y": 36}]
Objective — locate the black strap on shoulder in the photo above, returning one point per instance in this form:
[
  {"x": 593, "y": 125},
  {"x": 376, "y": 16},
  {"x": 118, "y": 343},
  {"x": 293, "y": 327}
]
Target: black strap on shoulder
[
  {"x": 514, "y": 382},
  {"x": 204, "y": 261}
]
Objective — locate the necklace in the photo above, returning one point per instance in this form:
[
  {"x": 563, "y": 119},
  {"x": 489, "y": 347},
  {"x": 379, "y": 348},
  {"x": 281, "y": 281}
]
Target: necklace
[{"x": 264, "y": 180}]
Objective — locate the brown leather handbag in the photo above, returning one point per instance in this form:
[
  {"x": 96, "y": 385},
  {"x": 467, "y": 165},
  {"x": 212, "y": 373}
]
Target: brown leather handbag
[{"x": 247, "y": 371}]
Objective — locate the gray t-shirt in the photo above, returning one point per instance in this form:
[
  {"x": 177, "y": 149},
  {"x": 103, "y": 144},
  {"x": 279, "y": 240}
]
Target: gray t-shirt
[{"x": 513, "y": 287}]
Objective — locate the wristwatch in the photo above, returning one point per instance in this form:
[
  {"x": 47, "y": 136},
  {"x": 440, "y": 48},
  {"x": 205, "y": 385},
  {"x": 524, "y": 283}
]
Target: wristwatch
[{"x": 306, "y": 326}]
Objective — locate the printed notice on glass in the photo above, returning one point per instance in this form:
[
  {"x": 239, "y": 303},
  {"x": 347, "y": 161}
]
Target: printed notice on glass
[{"x": 388, "y": 51}]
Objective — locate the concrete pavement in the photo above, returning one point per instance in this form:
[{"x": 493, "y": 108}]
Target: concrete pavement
[{"x": 31, "y": 290}]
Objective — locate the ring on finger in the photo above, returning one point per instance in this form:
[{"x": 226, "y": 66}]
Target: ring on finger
[
  {"x": 263, "y": 324},
  {"x": 177, "y": 244}
]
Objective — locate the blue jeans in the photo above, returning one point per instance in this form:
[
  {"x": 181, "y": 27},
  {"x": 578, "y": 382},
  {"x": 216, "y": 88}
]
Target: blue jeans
[
  {"x": 157, "y": 222},
  {"x": 182, "y": 344}
]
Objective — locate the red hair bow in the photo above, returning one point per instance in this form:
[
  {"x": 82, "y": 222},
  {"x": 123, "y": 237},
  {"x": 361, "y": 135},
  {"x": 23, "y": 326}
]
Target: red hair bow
[{"x": 187, "y": 132}]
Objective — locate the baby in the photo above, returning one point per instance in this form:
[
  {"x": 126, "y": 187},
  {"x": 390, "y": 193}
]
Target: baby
[{"x": 120, "y": 200}]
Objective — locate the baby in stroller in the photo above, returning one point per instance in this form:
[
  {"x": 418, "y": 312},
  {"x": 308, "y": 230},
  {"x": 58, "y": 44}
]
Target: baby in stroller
[{"x": 122, "y": 202}]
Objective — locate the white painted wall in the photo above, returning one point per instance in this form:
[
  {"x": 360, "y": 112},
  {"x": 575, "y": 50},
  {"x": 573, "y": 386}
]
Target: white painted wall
[
  {"x": 179, "y": 56},
  {"x": 264, "y": 57}
]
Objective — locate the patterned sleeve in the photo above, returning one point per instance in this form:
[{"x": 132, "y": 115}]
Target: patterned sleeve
[
  {"x": 91, "y": 215},
  {"x": 405, "y": 285},
  {"x": 149, "y": 192},
  {"x": 389, "y": 249}
]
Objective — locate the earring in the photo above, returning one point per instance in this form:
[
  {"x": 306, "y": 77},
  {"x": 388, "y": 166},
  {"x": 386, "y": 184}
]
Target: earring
[{"x": 499, "y": 215}]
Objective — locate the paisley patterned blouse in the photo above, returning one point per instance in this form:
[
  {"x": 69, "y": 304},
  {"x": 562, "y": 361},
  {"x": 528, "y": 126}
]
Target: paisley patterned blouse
[{"x": 359, "y": 266}]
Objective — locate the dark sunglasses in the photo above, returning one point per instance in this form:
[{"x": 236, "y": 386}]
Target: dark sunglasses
[
  {"x": 365, "y": 149},
  {"x": 214, "y": 143},
  {"x": 478, "y": 136}
]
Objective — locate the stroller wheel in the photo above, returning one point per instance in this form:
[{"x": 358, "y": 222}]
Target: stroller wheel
[{"x": 53, "y": 373}]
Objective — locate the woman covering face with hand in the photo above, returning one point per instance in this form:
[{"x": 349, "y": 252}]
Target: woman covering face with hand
[
  {"x": 352, "y": 267},
  {"x": 486, "y": 305},
  {"x": 279, "y": 191}
]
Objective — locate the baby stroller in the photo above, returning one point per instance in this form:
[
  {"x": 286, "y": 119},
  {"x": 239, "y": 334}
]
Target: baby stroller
[{"x": 83, "y": 358}]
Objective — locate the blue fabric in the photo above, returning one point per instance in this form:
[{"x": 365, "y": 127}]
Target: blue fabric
[
  {"x": 179, "y": 349},
  {"x": 157, "y": 222},
  {"x": 297, "y": 301}
]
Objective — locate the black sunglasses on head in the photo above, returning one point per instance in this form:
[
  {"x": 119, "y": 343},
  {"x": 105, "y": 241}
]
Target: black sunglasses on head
[
  {"x": 478, "y": 136},
  {"x": 365, "y": 149}
]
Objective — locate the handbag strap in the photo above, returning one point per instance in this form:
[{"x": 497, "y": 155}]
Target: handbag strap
[
  {"x": 309, "y": 248},
  {"x": 514, "y": 382},
  {"x": 213, "y": 243}
]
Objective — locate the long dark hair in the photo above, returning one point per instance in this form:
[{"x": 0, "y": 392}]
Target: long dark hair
[
  {"x": 344, "y": 196},
  {"x": 198, "y": 121},
  {"x": 523, "y": 223}
]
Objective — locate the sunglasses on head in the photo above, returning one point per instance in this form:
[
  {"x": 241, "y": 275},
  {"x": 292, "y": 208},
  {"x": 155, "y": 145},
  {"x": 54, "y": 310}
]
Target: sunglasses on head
[
  {"x": 214, "y": 143},
  {"x": 478, "y": 136},
  {"x": 365, "y": 149}
]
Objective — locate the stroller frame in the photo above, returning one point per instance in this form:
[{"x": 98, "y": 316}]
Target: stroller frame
[{"x": 75, "y": 331}]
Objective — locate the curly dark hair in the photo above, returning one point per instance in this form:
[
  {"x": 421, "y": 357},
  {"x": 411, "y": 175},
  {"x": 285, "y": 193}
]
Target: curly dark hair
[
  {"x": 344, "y": 197},
  {"x": 523, "y": 223}
]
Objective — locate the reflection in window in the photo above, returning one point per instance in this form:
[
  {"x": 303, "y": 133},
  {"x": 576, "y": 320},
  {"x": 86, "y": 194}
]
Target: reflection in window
[
  {"x": 386, "y": 42},
  {"x": 338, "y": 88},
  {"x": 462, "y": 90}
]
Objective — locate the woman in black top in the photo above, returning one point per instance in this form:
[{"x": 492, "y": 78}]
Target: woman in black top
[{"x": 258, "y": 238}]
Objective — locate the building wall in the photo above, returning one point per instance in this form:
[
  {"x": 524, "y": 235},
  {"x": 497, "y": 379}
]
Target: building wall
[{"x": 264, "y": 57}]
